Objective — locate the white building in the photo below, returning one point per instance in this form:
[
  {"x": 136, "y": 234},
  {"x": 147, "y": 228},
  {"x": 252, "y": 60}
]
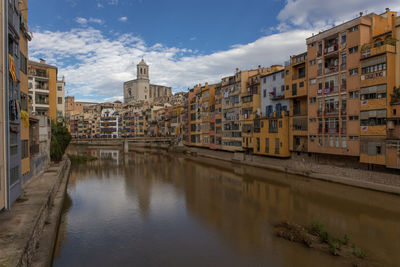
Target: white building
[
  {"x": 141, "y": 89},
  {"x": 273, "y": 94},
  {"x": 110, "y": 124}
]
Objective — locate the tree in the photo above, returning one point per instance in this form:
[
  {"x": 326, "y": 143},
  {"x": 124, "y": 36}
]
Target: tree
[{"x": 60, "y": 138}]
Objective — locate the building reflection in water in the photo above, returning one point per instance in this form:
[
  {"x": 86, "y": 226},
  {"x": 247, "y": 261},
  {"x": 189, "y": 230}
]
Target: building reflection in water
[{"x": 233, "y": 208}]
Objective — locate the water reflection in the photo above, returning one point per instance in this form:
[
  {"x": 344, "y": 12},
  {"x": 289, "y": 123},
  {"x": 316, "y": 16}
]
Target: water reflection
[{"x": 158, "y": 209}]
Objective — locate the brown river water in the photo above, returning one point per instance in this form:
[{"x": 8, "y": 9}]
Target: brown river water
[{"x": 159, "y": 209}]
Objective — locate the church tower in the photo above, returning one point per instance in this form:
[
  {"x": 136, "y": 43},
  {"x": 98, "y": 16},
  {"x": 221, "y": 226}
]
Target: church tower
[{"x": 142, "y": 71}]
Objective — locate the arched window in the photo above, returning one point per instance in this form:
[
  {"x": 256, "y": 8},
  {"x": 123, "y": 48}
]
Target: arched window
[{"x": 144, "y": 71}]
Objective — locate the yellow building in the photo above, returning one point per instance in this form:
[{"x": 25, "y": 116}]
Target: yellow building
[
  {"x": 271, "y": 135},
  {"x": 251, "y": 104},
  {"x": 296, "y": 90},
  {"x": 23, "y": 46},
  {"x": 43, "y": 89},
  {"x": 376, "y": 87}
]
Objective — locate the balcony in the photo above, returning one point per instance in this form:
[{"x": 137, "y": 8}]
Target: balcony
[
  {"x": 343, "y": 66},
  {"x": 331, "y": 130},
  {"x": 331, "y": 112},
  {"x": 331, "y": 49},
  {"x": 343, "y": 87},
  {"x": 343, "y": 130},
  {"x": 382, "y": 47},
  {"x": 298, "y": 76},
  {"x": 332, "y": 89},
  {"x": 331, "y": 69},
  {"x": 319, "y": 53},
  {"x": 319, "y": 72},
  {"x": 343, "y": 112}
]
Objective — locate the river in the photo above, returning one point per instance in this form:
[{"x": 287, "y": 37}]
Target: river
[{"x": 159, "y": 209}]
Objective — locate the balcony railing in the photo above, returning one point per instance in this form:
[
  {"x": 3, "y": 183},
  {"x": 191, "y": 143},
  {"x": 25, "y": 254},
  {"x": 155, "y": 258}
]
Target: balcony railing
[
  {"x": 331, "y": 49},
  {"x": 331, "y": 111},
  {"x": 331, "y": 69},
  {"x": 332, "y": 89},
  {"x": 331, "y": 130}
]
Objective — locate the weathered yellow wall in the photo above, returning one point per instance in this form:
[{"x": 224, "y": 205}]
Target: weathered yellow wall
[{"x": 52, "y": 94}]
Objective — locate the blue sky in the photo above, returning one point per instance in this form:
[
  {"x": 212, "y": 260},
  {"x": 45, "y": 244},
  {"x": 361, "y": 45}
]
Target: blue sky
[{"x": 96, "y": 43}]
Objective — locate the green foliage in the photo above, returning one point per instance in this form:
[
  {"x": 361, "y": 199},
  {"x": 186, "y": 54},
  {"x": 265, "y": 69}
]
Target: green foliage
[
  {"x": 81, "y": 158},
  {"x": 60, "y": 138},
  {"x": 317, "y": 227},
  {"x": 345, "y": 240},
  {"x": 359, "y": 253}
]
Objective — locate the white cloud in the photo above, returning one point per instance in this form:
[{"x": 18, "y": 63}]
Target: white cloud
[
  {"x": 84, "y": 21},
  {"x": 98, "y": 66},
  {"x": 319, "y": 13},
  {"x": 100, "y": 5},
  {"x": 81, "y": 20},
  {"x": 113, "y": 2},
  {"x": 123, "y": 19}
]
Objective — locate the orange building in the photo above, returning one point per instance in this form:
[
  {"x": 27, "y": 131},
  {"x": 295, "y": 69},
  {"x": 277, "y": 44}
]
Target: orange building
[
  {"x": 334, "y": 75},
  {"x": 296, "y": 90}
]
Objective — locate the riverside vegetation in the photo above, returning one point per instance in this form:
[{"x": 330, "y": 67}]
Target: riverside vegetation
[
  {"x": 60, "y": 138},
  {"x": 317, "y": 237}
]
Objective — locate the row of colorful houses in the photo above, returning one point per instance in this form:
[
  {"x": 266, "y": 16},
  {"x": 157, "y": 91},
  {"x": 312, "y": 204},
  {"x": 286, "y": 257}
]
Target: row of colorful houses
[{"x": 340, "y": 97}]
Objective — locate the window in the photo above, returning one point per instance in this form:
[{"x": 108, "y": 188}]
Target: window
[
  {"x": 287, "y": 87},
  {"x": 352, "y": 29},
  {"x": 24, "y": 149},
  {"x": 23, "y": 63},
  {"x": 282, "y": 88},
  {"x": 313, "y": 100},
  {"x": 313, "y": 81},
  {"x": 354, "y": 95},
  {"x": 319, "y": 140},
  {"x": 337, "y": 141},
  {"x": 265, "y": 93},
  {"x": 24, "y": 102},
  {"x": 353, "y": 72},
  {"x": 301, "y": 84},
  {"x": 374, "y": 68},
  {"x": 60, "y": 100},
  {"x": 331, "y": 141},
  {"x": 312, "y": 44},
  {"x": 353, "y": 49},
  {"x": 326, "y": 141},
  {"x": 344, "y": 143},
  {"x": 312, "y": 62},
  {"x": 353, "y": 118},
  {"x": 274, "y": 77},
  {"x": 266, "y": 145},
  {"x": 280, "y": 124},
  {"x": 343, "y": 38},
  {"x": 353, "y": 138},
  {"x": 59, "y": 88}
]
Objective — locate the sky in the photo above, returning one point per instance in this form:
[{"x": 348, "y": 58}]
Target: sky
[{"x": 96, "y": 44}]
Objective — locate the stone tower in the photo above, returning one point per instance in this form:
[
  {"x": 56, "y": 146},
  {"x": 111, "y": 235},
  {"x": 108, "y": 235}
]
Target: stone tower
[{"x": 142, "y": 71}]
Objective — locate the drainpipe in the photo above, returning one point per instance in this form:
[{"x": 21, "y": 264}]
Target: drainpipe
[{"x": 6, "y": 103}]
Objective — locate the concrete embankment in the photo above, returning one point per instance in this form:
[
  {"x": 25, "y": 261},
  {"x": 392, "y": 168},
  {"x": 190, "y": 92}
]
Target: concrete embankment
[{"x": 28, "y": 231}]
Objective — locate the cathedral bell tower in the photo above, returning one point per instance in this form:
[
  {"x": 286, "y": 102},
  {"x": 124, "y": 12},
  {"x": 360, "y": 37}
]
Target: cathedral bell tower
[{"x": 142, "y": 71}]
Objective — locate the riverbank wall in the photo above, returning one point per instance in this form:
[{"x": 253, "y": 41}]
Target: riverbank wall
[
  {"x": 28, "y": 231},
  {"x": 329, "y": 169}
]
